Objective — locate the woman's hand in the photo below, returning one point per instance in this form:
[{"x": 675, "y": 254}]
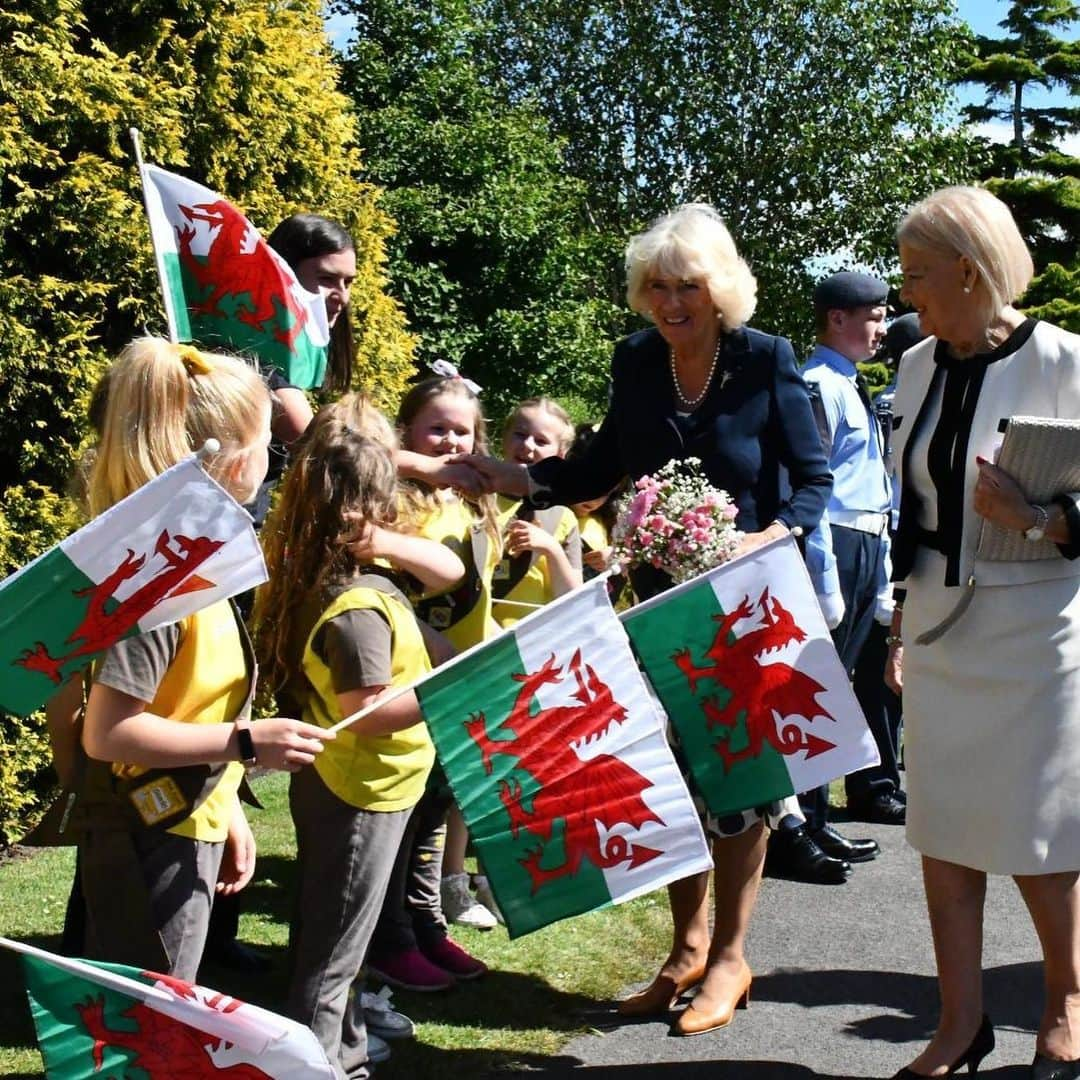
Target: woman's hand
[
  {"x": 526, "y": 536},
  {"x": 238, "y": 858},
  {"x": 1000, "y": 499},
  {"x": 505, "y": 476},
  {"x": 894, "y": 669},
  {"x": 447, "y": 471},
  {"x": 287, "y": 744},
  {"x": 752, "y": 541}
]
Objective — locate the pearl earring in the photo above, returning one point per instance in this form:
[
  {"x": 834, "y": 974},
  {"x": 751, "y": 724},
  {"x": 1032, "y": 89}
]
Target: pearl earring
[{"x": 967, "y": 288}]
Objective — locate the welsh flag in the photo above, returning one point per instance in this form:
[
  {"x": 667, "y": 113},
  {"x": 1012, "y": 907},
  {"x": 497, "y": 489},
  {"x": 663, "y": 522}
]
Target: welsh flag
[
  {"x": 98, "y": 1020},
  {"x": 224, "y": 287},
  {"x": 558, "y": 759},
  {"x": 177, "y": 544},
  {"x": 745, "y": 667}
]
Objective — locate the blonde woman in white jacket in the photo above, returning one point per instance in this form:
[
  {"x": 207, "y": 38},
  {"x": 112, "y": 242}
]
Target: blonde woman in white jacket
[{"x": 992, "y": 706}]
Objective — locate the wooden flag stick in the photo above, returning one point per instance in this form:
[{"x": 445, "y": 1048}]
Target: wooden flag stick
[{"x": 159, "y": 259}]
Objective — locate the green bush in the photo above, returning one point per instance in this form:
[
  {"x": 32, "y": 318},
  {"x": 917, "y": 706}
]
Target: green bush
[{"x": 238, "y": 94}]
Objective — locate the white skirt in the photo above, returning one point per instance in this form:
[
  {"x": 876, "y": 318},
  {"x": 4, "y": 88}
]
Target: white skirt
[{"x": 992, "y": 724}]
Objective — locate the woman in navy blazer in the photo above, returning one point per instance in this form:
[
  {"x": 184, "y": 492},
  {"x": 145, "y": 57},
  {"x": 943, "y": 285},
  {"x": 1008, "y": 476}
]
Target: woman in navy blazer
[{"x": 699, "y": 383}]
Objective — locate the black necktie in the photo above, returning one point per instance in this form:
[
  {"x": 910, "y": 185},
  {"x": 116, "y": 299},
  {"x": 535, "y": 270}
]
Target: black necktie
[{"x": 864, "y": 394}]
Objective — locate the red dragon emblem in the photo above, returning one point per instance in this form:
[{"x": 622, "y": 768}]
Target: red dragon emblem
[
  {"x": 162, "y": 1046},
  {"x": 766, "y": 693},
  {"x": 253, "y": 278},
  {"x": 584, "y": 788},
  {"x": 101, "y": 628}
]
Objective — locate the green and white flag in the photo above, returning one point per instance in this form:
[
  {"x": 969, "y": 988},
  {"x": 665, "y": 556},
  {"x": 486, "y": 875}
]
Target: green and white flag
[
  {"x": 745, "y": 667},
  {"x": 177, "y": 544},
  {"x": 557, "y": 756},
  {"x": 224, "y": 287},
  {"x": 108, "y": 1020}
]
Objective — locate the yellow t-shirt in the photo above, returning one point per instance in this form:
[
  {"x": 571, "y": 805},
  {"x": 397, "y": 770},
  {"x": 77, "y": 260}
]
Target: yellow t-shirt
[
  {"x": 372, "y": 772},
  {"x": 526, "y": 578},
  {"x": 206, "y": 682},
  {"x": 462, "y": 613}
]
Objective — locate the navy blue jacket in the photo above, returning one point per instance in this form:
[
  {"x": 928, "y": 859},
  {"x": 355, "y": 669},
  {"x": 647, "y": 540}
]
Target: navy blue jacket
[{"x": 754, "y": 433}]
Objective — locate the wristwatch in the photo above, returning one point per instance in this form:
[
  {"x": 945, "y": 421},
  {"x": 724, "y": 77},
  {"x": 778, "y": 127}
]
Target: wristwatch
[
  {"x": 244, "y": 741},
  {"x": 1038, "y": 530}
]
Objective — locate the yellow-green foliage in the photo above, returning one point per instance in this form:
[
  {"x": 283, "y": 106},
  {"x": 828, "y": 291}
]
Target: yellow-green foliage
[{"x": 238, "y": 94}]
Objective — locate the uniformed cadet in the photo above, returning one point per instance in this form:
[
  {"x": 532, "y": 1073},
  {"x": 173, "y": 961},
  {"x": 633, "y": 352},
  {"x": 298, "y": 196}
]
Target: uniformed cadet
[{"x": 850, "y": 313}]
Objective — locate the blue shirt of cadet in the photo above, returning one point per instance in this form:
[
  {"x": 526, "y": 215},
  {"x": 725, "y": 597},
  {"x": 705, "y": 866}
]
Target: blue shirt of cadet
[{"x": 861, "y": 481}]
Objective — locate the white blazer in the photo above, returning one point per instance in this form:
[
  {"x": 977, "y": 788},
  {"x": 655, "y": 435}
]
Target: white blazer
[{"x": 1041, "y": 378}]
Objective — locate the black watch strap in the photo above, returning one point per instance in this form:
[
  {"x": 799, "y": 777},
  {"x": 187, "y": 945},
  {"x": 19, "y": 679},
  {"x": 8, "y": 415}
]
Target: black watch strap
[{"x": 245, "y": 742}]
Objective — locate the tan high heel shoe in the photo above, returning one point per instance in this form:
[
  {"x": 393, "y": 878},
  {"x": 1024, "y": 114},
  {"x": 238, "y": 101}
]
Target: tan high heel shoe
[
  {"x": 694, "y": 1021},
  {"x": 660, "y": 994}
]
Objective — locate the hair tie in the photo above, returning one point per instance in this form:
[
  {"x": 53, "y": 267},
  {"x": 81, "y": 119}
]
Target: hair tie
[
  {"x": 194, "y": 362},
  {"x": 448, "y": 371}
]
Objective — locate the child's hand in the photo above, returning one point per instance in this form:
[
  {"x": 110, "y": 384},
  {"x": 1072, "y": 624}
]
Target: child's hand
[
  {"x": 525, "y": 536},
  {"x": 287, "y": 744},
  {"x": 597, "y": 560},
  {"x": 371, "y": 542},
  {"x": 238, "y": 858}
]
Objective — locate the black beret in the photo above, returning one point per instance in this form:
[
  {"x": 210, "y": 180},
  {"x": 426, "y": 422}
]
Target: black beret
[
  {"x": 849, "y": 289},
  {"x": 903, "y": 334}
]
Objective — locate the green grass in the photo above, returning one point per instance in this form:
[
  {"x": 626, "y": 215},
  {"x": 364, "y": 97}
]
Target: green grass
[{"x": 542, "y": 990}]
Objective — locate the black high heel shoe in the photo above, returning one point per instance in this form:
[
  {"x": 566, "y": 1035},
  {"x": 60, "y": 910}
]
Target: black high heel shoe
[
  {"x": 1044, "y": 1068},
  {"x": 972, "y": 1057}
]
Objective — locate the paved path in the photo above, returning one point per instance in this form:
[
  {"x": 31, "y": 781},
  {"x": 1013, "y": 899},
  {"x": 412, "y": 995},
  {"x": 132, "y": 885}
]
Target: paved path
[{"x": 844, "y": 987}]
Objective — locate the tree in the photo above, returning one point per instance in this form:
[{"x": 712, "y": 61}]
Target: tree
[
  {"x": 1039, "y": 182},
  {"x": 237, "y": 93},
  {"x": 1006, "y": 67},
  {"x": 810, "y": 124},
  {"x": 493, "y": 259},
  {"x": 240, "y": 95}
]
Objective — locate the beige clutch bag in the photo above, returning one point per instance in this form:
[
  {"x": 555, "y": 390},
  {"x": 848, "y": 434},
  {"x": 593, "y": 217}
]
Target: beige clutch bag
[{"x": 1042, "y": 454}]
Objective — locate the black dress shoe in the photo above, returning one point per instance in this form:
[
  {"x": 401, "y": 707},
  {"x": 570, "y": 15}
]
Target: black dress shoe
[
  {"x": 884, "y": 809},
  {"x": 972, "y": 1057},
  {"x": 1044, "y": 1068},
  {"x": 840, "y": 847},
  {"x": 793, "y": 854}
]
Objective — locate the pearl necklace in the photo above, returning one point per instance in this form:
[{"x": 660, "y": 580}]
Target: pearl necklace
[{"x": 693, "y": 403}]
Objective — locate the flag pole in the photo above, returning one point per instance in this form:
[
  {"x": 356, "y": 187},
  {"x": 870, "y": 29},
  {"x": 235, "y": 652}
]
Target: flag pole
[
  {"x": 401, "y": 691},
  {"x": 159, "y": 261}
]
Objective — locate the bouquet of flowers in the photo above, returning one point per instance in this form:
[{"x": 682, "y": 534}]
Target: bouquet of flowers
[{"x": 676, "y": 521}]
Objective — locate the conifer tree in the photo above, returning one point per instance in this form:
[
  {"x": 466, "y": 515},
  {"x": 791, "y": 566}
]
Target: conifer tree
[
  {"x": 1030, "y": 56},
  {"x": 238, "y": 94},
  {"x": 1039, "y": 182}
]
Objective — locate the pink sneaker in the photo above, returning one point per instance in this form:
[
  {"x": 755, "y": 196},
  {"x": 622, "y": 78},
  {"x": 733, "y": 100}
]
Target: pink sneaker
[
  {"x": 411, "y": 970},
  {"x": 453, "y": 958}
]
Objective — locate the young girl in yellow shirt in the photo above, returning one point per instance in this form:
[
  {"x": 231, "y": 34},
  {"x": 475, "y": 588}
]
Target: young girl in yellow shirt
[{"x": 174, "y": 698}]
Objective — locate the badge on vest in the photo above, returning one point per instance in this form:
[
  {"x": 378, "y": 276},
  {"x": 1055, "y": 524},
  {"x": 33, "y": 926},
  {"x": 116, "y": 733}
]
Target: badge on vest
[
  {"x": 439, "y": 618},
  {"x": 158, "y": 800}
]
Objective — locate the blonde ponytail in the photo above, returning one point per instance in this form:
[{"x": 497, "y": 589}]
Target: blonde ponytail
[{"x": 164, "y": 402}]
